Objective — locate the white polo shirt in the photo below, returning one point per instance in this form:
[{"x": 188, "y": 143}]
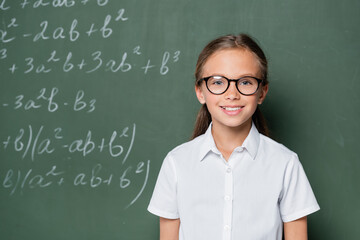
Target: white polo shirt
[{"x": 262, "y": 185}]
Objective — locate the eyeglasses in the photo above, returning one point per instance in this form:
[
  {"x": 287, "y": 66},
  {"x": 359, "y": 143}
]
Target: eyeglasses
[{"x": 245, "y": 85}]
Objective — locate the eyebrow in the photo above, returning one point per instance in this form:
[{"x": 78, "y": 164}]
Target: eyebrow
[{"x": 242, "y": 75}]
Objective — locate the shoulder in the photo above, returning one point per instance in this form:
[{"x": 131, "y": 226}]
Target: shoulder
[
  {"x": 187, "y": 147},
  {"x": 187, "y": 152},
  {"x": 273, "y": 150}
]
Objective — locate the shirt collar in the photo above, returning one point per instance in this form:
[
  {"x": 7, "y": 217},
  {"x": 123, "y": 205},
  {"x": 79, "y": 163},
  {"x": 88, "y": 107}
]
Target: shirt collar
[
  {"x": 250, "y": 144},
  {"x": 252, "y": 141},
  {"x": 208, "y": 144}
]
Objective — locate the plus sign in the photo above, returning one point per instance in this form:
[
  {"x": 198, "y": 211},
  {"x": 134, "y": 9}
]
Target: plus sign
[
  {"x": 148, "y": 66},
  {"x": 101, "y": 147},
  {"x": 84, "y": 1},
  {"x": 13, "y": 68},
  {"x": 24, "y": 3},
  {"x": 82, "y": 64},
  {"x": 91, "y": 30},
  {"x": 6, "y": 143},
  {"x": 61, "y": 181}
]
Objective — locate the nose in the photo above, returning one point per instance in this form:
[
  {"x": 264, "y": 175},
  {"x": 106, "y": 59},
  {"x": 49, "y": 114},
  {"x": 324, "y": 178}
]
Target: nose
[{"x": 232, "y": 93}]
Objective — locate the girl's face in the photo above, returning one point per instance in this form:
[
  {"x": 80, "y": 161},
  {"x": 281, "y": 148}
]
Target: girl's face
[{"x": 231, "y": 109}]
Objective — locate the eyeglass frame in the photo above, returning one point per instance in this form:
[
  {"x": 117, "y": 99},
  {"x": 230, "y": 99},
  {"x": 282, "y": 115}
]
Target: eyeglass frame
[{"x": 232, "y": 80}]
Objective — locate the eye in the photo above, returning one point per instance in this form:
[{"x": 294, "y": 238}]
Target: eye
[
  {"x": 217, "y": 81},
  {"x": 247, "y": 81}
]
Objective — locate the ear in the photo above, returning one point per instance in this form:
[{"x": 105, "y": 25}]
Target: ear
[
  {"x": 263, "y": 91},
  {"x": 199, "y": 94}
]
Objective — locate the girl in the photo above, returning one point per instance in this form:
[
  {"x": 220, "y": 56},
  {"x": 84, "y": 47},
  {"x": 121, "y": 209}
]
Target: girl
[{"x": 231, "y": 181}]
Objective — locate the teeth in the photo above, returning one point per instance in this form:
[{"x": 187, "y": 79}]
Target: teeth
[{"x": 231, "y": 109}]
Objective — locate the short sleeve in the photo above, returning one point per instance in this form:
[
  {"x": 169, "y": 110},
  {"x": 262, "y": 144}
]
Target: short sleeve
[
  {"x": 297, "y": 198},
  {"x": 164, "y": 200}
]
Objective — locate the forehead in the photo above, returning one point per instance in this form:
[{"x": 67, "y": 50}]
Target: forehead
[{"x": 232, "y": 63}]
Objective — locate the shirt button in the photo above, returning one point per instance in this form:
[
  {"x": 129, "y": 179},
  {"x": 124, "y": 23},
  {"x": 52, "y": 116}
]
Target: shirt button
[
  {"x": 227, "y": 228},
  {"x": 228, "y": 170},
  {"x": 227, "y": 198}
]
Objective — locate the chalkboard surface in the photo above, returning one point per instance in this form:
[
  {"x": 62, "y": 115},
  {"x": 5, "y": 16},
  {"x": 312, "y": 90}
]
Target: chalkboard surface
[{"x": 94, "y": 93}]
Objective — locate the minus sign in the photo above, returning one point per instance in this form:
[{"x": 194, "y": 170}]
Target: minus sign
[
  {"x": 5, "y": 104},
  {"x": 27, "y": 35},
  {"x": 65, "y": 146},
  {"x": 65, "y": 103}
]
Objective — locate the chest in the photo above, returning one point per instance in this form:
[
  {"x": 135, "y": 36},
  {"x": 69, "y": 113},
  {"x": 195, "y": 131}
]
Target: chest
[
  {"x": 244, "y": 176},
  {"x": 238, "y": 196},
  {"x": 247, "y": 183}
]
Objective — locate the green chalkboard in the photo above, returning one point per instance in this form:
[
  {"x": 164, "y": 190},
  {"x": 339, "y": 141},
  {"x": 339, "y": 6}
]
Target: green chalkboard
[{"x": 94, "y": 93}]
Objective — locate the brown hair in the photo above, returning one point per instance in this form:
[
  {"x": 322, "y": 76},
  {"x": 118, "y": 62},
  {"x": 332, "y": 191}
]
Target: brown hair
[{"x": 241, "y": 41}]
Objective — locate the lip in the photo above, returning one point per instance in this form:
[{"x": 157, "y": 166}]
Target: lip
[{"x": 232, "y": 110}]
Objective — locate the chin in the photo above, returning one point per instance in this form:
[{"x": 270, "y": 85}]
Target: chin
[{"x": 237, "y": 124}]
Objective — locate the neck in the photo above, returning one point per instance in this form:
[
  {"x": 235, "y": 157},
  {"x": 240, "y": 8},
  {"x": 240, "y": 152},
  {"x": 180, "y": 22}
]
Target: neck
[{"x": 228, "y": 138}]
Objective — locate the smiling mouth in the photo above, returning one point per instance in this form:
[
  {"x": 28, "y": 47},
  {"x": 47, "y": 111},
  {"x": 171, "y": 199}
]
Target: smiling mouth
[{"x": 232, "y": 108}]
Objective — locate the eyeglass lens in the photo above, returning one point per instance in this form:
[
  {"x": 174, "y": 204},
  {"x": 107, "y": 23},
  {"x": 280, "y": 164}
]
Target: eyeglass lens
[{"x": 219, "y": 84}]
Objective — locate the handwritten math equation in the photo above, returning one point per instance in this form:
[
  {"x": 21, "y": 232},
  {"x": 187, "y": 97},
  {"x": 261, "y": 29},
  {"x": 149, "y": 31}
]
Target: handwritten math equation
[
  {"x": 131, "y": 58},
  {"x": 16, "y": 180},
  {"x": 31, "y": 143},
  {"x": 90, "y": 63},
  {"x": 43, "y": 51},
  {"x": 48, "y": 99},
  {"x": 53, "y": 3}
]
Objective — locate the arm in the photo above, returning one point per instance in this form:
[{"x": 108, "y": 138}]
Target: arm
[
  {"x": 169, "y": 229},
  {"x": 296, "y": 230}
]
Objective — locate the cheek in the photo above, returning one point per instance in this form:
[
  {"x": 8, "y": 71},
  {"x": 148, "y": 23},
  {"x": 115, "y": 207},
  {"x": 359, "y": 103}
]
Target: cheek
[
  {"x": 210, "y": 99},
  {"x": 251, "y": 100},
  {"x": 205, "y": 94}
]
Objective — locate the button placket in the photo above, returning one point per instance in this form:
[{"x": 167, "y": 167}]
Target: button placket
[{"x": 228, "y": 204}]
